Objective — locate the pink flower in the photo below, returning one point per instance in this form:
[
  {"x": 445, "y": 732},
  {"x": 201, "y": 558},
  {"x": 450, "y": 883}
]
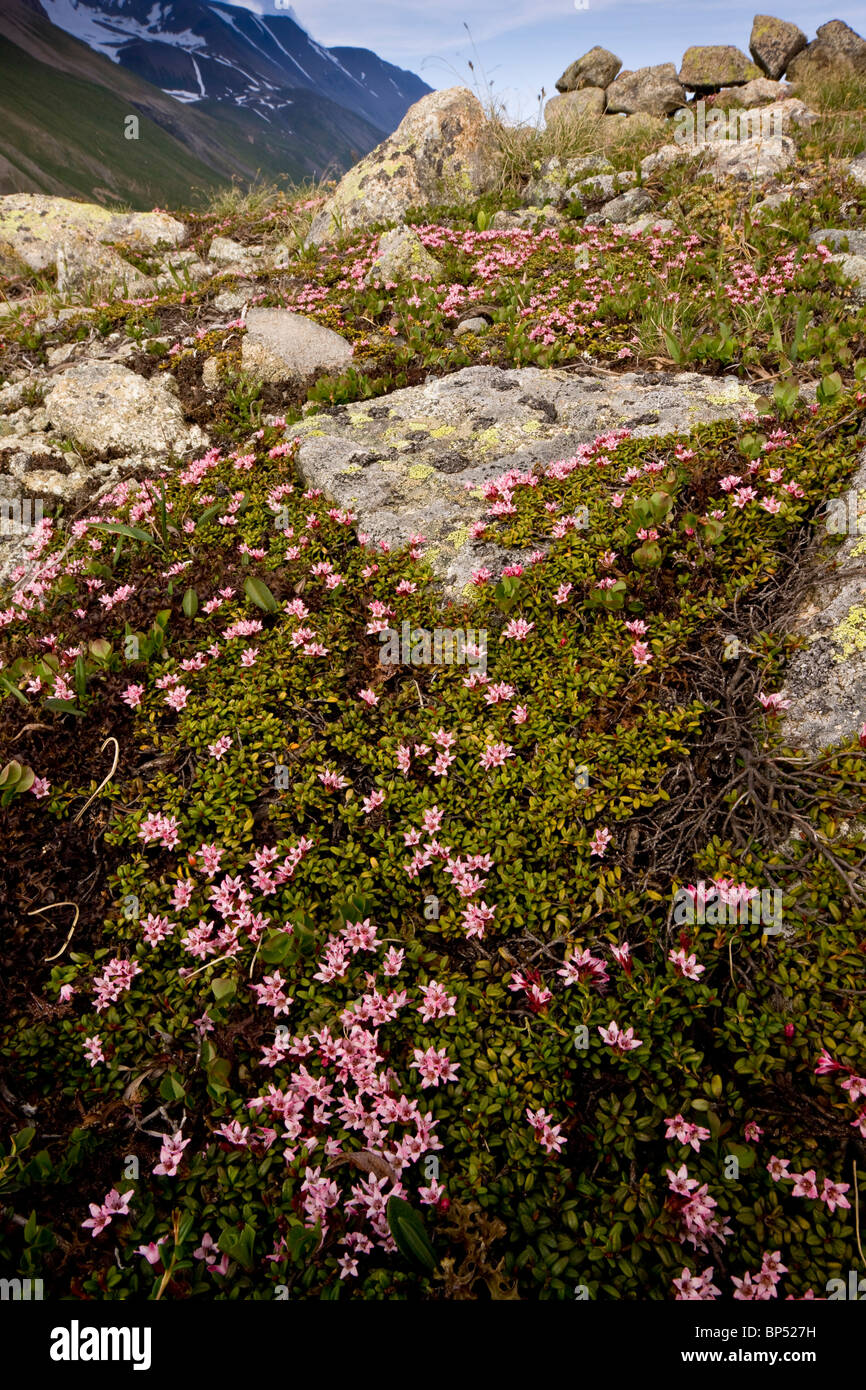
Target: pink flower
[
  {"x": 170, "y": 1155},
  {"x": 641, "y": 653},
  {"x": 177, "y": 697},
  {"x": 93, "y": 1050},
  {"x": 436, "y": 1002},
  {"x": 495, "y": 754},
  {"x": 753, "y": 1132},
  {"x": 40, "y": 787},
  {"x": 620, "y": 1040},
  {"x": 433, "y": 1066},
  {"x": 778, "y": 1168},
  {"x": 833, "y": 1194},
  {"x": 600, "y": 841},
  {"x": 219, "y": 749},
  {"x": 369, "y": 697},
  {"x": 773, "y": 704},
  {"x": 804, "y": 1184},
  {"x": 132, "y": 695},
  {"x": 518, "y": 628},
  {"x": 687, "y": 966}
]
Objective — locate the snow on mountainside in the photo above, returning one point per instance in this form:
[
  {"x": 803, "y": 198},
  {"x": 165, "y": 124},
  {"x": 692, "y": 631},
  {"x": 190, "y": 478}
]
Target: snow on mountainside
[{"x": 196, "y": 51}]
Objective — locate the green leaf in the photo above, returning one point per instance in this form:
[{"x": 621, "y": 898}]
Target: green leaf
[
  {"x": 259, "y": 593},
  {"x": 116, "y": 528},
  {"x": 409, "y": 1233},
  {"x": 223, "y": 988},
  {"x": 190, "y": 603}
]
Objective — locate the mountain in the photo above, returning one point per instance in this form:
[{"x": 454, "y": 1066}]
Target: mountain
[
  {"x": 198, "y": 49},
  {"x": 65, "y": 97}
]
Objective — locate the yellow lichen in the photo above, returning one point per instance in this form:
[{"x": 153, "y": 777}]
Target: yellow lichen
[{"x": 850, "y": 634}]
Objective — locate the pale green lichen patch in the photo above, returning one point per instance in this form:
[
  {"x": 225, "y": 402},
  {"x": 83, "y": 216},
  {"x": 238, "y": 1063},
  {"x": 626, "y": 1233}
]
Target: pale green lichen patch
[
  {"x": 419, "y": 471},
  {"x": 850, "y": 634}
]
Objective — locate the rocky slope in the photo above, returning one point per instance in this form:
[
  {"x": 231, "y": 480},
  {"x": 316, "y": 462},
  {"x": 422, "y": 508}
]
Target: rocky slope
[
  {"x": 433, "y": 717},
  {"x": 223, "y": 94}
]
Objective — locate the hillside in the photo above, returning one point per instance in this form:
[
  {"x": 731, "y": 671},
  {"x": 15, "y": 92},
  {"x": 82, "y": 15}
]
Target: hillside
[
  {"x": 63, "y": 108},
  {"x": 433, "y": 719}
]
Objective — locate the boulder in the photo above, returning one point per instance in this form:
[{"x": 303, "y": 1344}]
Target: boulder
[
  {"x": 442, "y": 150},
  {"x": 554, "y": 183},
  {"x": 57, "y": 234},
  {"x": 654, "y": 90},
  {"x": 773, "y": 43},
  {"x": 751, "y": 159},
  {"x": 837, "y": 52},
  {"x": 575, "y": 106},
  {"x": 597, "y": 68},
  {"x": 224, "y": 251},
  {"x": 709, "y": 67},
  {"x": 853, "y": 265},
  {"x": 834, "y": 236},
  {"x": 626, "y": 208},
  {"x": 402, "y": 257},
  {"x": 282, "y": 346},
  {"x": 827, "y": 680},
  {"x": 106, "y": 408},
  {"x": 755, "y": 93},
  {"x": 605, "y": 185},
  {"x": 402, "y": 463}
]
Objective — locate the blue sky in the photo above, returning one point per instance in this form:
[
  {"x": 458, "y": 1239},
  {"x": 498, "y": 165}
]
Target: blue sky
[{"x": 525, "y": 44}]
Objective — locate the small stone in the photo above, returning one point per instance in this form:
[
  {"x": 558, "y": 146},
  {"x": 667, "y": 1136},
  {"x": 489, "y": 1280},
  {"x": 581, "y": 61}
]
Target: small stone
[
  {"x": 474, "y": 325},
  {"x": 282, "y": 346}
]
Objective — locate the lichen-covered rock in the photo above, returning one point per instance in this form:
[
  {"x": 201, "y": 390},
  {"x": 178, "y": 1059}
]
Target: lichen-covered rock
[
  {"x": 556, "y": 179},
  {"x": 655, "y": 90},
  {"x": 586, "y": 104},
  {"x": 827, "y": 681},
  {"x": 706, "y": 68},
  {"x": 106, "y": 408},
  {"x": 774, "y": 42},
  {"x": 402, "y": 256},
  {"x": 282, "y": 346},
  {"x": 751, "y": 159},
  {"x": 401, "y": 464},
  {"x": 597, "y": 68},
  {"x": 605, "y": 185},
  {"x": 834, "y": 236},
  {"x": 224, "y": 251},
  {"x": 755, "y": 93},
  {"x": 57, "y": 234},
  {"x": 443, "y": 149},
  {"x": 626, "y": 208},
  {"x": 837, "y": 52}
]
